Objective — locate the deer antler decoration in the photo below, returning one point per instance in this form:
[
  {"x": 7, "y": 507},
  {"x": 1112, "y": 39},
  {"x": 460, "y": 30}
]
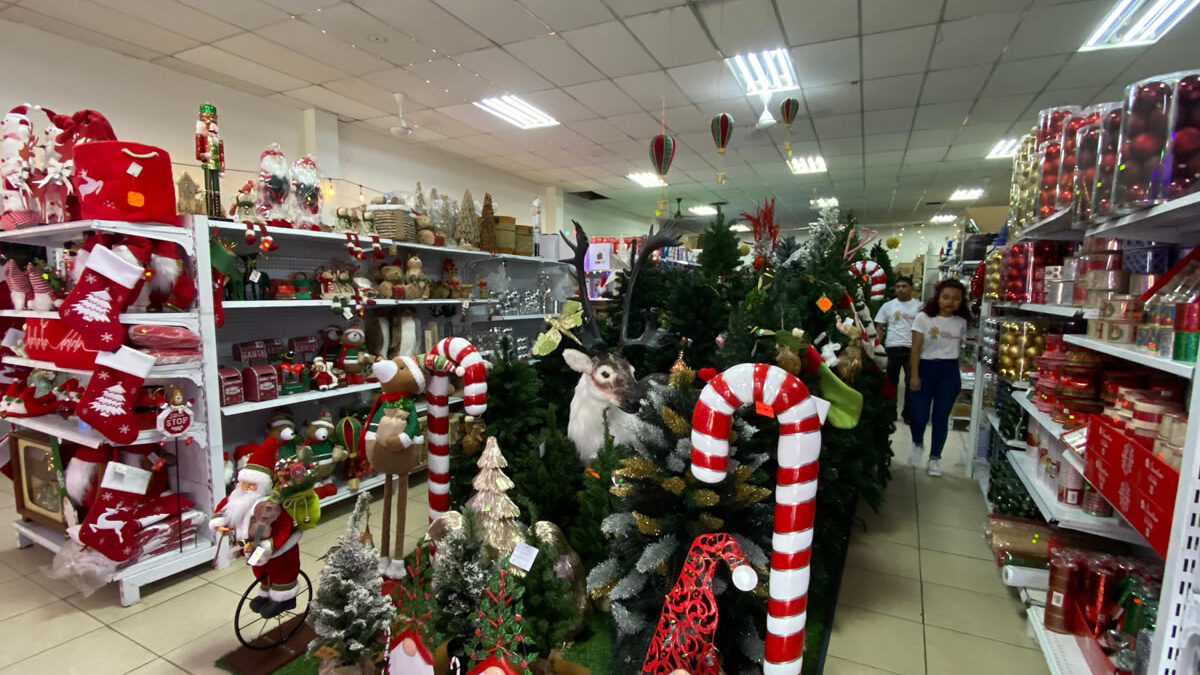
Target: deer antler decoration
[
  {"x": 590, "y": 331},
  {"x": 667, "y": 235}
]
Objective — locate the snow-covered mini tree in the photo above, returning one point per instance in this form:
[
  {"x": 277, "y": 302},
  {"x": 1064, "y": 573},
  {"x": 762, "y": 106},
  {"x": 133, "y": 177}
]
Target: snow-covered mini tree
[
  {"x": 466, "y": 228},
  {"x": 496, "y": 513},
  {"x": 350, "y": 613}
]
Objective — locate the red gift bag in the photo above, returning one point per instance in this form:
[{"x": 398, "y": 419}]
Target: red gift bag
[{"x": 117, "y": 180}]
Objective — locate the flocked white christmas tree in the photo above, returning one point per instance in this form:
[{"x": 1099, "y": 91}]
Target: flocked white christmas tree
[
  {"x": 110, "y": 402},
  {"x": 419, "y": 207},
  {"x": 466, "y": 228},
  {"x": 96, "y": 306},
  {"x": 497, "y": 514}
]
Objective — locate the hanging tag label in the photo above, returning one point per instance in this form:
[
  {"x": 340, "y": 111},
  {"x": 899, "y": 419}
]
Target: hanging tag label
[
  {"x": 134, "y": 169},
  {"x": 136, "y": 199},
  {"x": 763, "y": 409},
  {"x": 523, "y": 555},
  {"x": 255, "y": 276},
  {"x": 256, "y": 557}
]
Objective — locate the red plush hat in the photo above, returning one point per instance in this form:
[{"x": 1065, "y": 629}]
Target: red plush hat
[{"x": 260, "y": 467}]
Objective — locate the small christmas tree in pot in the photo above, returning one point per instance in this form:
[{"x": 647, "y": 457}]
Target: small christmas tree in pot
[{"x": 350, "y": 614}]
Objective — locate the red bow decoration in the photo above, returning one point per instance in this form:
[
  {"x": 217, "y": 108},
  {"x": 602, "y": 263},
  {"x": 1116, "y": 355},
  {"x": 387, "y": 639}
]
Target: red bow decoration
[
  {"x": 293, "y": 368},
  {"x": 707, "y": 374}
]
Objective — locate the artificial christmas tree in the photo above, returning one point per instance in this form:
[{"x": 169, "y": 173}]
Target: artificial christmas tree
[
  {"x": 487, "y": 225},
  {"x": 460, "y": 579},
  {"x": 466, "y": 228},
  {"x": 499, "y": 642},
  {"x": 496, "y": 513},
  {"x": 412, "y": 646}
]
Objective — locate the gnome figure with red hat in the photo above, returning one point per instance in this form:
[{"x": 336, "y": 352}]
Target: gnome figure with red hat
[{"x": 268, "y": 536}]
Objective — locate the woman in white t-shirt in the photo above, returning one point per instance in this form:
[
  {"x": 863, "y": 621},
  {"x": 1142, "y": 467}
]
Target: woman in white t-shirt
[{"x": 937, "y": 336}]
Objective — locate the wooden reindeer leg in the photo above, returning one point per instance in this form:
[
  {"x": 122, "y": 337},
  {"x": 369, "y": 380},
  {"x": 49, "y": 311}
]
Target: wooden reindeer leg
[
  {"x": 401, "y": 514},
  {"x": 385, "y": 545}
]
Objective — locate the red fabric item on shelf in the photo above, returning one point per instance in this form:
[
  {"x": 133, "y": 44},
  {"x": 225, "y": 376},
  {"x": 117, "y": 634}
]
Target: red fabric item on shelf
[{"x": 118, "y": 180}]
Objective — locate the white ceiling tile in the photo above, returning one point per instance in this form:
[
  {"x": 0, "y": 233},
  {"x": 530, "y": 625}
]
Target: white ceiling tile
[
  {"x": 503, "y": 21},
  {"x": 954, "y": 84},
  {"x": 490, "y": 144},
  {"x": 652, "y": 90},
  {"x": 440, "y": 123},
  {"x": 932, "y": 138},
  {"x": 211, "y": 75},
  {"x": 428, "y": 22},
  {"x": 302, "y": 6},
  {"x": 888, "y": 121},
  {"x": 475, "y": 117},
  {"x": 884, "y": 15},
  {"x": 1094, "y": 68},
  {"x": 554, "y": 59},
  {"x": 1022, "y": 77},
  {"x": 841, "y": 147},
  {"x": 284, "y": 99},
  {"x": 323, "y": 47},
  {"x": 838, "y": 126},
  {"x": 1057, "y": 97},
  {"x": 248, "y": 14},
  {"x": 833, "y": 100},
  {"x": 980, "y": 133},
  {"x": 941, "y": 115},
  {"x": 564, "y": 15},
  {"x": 962, "y": 9},
  {"x": 599, "y": 131},
  {"x": 446, "y": 74},
  {"x": 370, "y": 94},
  {"x": 1000, "y": 108},
  {"x": 808, "y": 21},
  {"x": 686, "y": 118},
  {"x": 176, "y": 17},
  {"x": 52, "y": 25},
  {"x": 973, "y": 41},
  {"x": 673, "y": 36},
  {"x": 603, "y": 98},
  {"x": 113, "y": 23},
  {"x": 1164, "y": 57},
  {"x": 454, "y": 145},
  {"x": 278, "y": 57},
  {"x": 744, "y": 111},
  {"x": 970, "y": 150},
  {"x": 897, "y": 52},
  {"x": 559, "y": 105},
  {"x": 635, "y": 7},
  {"x": 891, "y": 92},
  {"x": 367, "y": 33},
  {"x": 703, "y": 82},
  {"x": 414, "y": 88},
  {"x": 336, "y": 103},
  {"x": 742, "y": 26},
  {"x": 611, "y": 48},
  {"x": 639, "y": 126},
  {"x": 235, "y": 66},
  {"x": 827, "y": 63},
  {"x": 509, "y": 74},
  {"x": 416, "y": 134},
  {"x": 1056, "y": 30}
]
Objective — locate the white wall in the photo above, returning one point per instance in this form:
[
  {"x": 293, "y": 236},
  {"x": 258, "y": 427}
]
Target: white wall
[{"x": 601, "y": 220}]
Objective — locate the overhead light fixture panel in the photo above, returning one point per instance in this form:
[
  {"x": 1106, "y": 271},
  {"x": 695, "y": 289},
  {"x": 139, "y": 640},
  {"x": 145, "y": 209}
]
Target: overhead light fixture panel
[
  {"x": 646, "y": 179},
  {"x": 802, "y": 165},
  {"x": 516, "y": 112},
  {"x": 764, "y": 72}
]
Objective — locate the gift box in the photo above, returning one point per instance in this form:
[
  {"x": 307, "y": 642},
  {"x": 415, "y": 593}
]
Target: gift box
[
  {"x": 260, "y": 383},
  {"x": 231, "y": 385},
  {"x": 119, "y": 180}
]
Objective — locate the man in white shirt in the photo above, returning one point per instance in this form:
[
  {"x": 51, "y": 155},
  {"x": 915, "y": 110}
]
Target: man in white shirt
[{"x": 894, "y": 324}]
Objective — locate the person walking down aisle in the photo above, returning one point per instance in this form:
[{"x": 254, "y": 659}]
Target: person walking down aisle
[
  {"x": 934, "y": 381},
  {"x": 894, "y": 320}
]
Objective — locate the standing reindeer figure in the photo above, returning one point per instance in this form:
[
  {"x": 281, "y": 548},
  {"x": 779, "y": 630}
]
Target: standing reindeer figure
[{"x": 608, "y": 391}]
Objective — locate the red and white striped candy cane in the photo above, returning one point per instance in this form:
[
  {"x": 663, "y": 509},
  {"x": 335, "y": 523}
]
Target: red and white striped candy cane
[
  {"x": 795, "y": 494},
  {"x": 869, "y": 270},
  {"x": 460, "y": 357}
]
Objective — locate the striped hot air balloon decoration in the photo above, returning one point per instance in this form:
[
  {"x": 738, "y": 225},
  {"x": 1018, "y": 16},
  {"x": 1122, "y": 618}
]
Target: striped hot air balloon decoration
[{"x": 788, "y": 110}]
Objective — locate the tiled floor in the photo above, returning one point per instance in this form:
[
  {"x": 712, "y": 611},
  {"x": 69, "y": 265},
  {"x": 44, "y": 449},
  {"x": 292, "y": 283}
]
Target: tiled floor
[
  {"x": 182, "y": 625},
  {"x": 920, "y": 594}
]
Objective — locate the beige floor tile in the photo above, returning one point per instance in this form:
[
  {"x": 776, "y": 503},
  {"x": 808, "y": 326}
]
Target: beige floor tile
[
  {"x": 36, "y": 631},
  {"x": 947, "y": 514},
  {"x": 952, "y": 652},
  {"x": 7, "y": 573},
  {"x": 970, "y": 543},
  {"x": 971, "y": 574},
  {"x": 105, "y": 604},
  {"x": 884, "y": 593},
  {"x": 237, "y": 583},
  {"x": 836, "y": 666},
  {"x": 175, "y": 622},
  {"x": 881, "y": 556},
  {"x": 978, "y": 614},
  {"x": 61, "y": 589},
  {"x": 21, "y": 596},
  {"x": 888, "y": 527},
  {"x": 100, "y": 652},
  {"x": 23, "y": 560},
  {"x": 878, "y": 640},
  {"x": 199, "y": 656},
  {"x": 158, "y": 667}
]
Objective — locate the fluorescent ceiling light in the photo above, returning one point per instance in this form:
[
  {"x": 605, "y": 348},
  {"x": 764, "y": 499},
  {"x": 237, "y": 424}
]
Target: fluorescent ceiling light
[
  {"x": 516, "y": 112},
  {"x": 646, "y": 179},
  {"x": 963, "y": 194},
  {"x": 703, "y": 210},
  {"x": 823, "y": 202},
  {"x": 799, "y": 165},
  {"x": 740, "y": 227},
  {"x": 943, "y": 218},
  {"x": 764, "y": 72},
  {"x": 1005, "y": 149},
  {"x": 1134, "y": 23}
]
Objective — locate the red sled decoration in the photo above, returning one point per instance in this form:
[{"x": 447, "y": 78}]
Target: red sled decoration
[{"x": 118, "y": 180}]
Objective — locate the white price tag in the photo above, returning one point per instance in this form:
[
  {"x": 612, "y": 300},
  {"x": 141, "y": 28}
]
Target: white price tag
[
  {"x": 256, "y": 557},
  {"x": 134, "y": 169},
  {"x": 255, "y": 276},
  {"x": 523, "y": 555}
]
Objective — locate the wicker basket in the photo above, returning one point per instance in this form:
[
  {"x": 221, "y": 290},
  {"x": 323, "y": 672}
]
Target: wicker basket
[
  {"x": 393, "y": 221},
  {"x": 524, "y": 243},
  {"x": 506, "y": 234}
]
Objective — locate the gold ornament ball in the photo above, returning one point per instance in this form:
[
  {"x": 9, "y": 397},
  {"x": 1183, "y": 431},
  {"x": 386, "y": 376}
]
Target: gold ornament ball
[{"x": 1032, "y": 352}]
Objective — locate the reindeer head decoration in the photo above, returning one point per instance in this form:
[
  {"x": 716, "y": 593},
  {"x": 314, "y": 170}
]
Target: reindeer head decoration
[{"x": 608, "y": 393}]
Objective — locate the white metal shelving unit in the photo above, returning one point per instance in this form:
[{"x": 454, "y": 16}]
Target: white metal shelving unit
[{"x": 1063, "y": 656}]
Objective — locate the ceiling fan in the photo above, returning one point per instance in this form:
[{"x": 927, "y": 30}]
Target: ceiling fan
[{"x": 401, "y": 129}]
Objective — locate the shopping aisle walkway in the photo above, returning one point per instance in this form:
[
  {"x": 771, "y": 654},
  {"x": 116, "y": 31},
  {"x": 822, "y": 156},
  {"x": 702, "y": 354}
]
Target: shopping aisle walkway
[{"x": 920, "y": 594}]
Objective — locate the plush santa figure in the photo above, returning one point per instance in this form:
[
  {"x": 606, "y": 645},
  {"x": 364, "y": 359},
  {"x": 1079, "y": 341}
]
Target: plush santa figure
[
  {"x": 167, "y": 287},
  {"x": 271, "y": 541},
  {"x": 273, "y": 187},
  {"x": 322, "y": 375}
]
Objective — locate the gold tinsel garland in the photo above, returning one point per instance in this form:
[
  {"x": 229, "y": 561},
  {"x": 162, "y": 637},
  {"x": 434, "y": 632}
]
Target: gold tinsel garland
[
  {"x": 706, "y": 498},
  {"x": 676, "y": 422},
  {"x": 622, "y": 491},
  {"x": 647, "y": 525},
  {"x": 750, "y": 494},
  {"x": 710, "y": 523},
  {"x": 637, "y": 467},
  {"x": 681, "y": 377},
  {"x": 674, "y": 485}
]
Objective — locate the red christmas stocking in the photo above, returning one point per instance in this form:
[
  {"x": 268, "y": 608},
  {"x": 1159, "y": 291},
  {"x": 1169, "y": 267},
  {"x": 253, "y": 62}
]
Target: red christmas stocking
[
  {"x": 104, "y": 289},
  {"x": 107, "y": 403},
  {"x": 111, "y": 527}
]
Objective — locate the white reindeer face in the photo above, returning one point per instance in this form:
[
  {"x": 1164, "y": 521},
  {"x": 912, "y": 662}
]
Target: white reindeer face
[{"x": 611, "y": 378}]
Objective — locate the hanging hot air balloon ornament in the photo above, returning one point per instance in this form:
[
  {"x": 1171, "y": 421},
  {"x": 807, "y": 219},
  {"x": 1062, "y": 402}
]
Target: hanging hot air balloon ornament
[
  {"x": 662, "y": 153},
  {"x": 788, "y": 111},
  {"x": 722, "y": 130}
]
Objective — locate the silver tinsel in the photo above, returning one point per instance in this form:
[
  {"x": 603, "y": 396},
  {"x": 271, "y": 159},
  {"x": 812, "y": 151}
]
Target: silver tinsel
[
  {"x": 628, "y": 587},
  {"x": 755, "y": 554},
  {"x": 681, "y": 456},
  {"x": 627, "y": 622},
  {"x": 618, "y": 524},
  {"x": 601, "y": 574},
  {"x": 656, "y": 553}
]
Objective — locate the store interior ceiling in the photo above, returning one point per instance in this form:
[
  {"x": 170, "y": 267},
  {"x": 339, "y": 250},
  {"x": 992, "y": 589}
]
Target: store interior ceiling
[{"x": 902, "y": 98}]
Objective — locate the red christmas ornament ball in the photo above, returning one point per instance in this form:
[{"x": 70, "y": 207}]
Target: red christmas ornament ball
[
  {"x": 1180, "y": 187},
  {"x": 1089, "y": 176},
  {"x": 1156, "y": 122},
  {"x": 1135, "y": 124},
  {"x": 1108, "y": 161},
  {"x": 1112, "y": 122},
  {"x": 1146, "y": 145},
  {"x": 1187, "y": 141}
]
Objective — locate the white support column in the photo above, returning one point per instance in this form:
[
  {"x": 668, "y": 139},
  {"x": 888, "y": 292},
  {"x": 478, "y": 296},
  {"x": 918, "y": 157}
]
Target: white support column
[
  {"x": 320, "y": 139},
  {"x": 553, "y": 211}
]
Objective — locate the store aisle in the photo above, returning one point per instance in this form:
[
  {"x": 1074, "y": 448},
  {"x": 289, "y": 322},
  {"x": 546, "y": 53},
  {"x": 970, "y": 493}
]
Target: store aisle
[
  {"x": 182, "y": 625},
  {"x": 920, "y": 594}
]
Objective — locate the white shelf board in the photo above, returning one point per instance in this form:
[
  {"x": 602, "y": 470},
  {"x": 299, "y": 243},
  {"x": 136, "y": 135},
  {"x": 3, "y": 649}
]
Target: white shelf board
[
  {"x": 292, "y": 399},
  {"x": 168, "y": 318},
  {"x": 56, "y": 235},
  {"x": 1068, "y": 517},
  {"x": 369, "y": 483},
  {"x": 681, "y": 263},
  {"x": 1075, "y": 460},
  {"x": 376, "y": 302},
  {"x": 1063, "y": 656},
  {"x": 1042, "y": 418},
  {"x": 1134, "y": 354},
  {"x": 1059, "y": 226},
  {"x": 78, "y": 432},
  {"x": 189, "y": 370},
  {"x": 1175, "y": 221},
  {"x": 1054, "y": 310},
  {"x": 512, "y": 317}
]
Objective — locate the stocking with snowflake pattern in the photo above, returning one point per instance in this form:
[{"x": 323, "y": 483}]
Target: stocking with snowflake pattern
[
  {"x": 93, "y": 307},
  {"x": 107, "y": 403},
  {"x": 111, "y": 526}
]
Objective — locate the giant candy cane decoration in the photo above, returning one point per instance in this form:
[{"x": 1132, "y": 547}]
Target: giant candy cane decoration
[
  {"x": 795, "y": 493},
  {"x": 869, "y": 270},
  {"x": 460, "y": 357}
]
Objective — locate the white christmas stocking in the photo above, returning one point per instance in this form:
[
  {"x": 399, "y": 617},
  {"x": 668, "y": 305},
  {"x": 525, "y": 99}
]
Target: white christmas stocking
[
  {"x": 107, "y": 403},
  {"x": 104, "y": 289},
  {"x": 110, "y": 526}
]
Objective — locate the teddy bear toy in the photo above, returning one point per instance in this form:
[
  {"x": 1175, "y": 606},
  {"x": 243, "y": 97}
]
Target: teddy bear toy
[
  {"x": 391, "y": 281},
  {"x": 318, "y": 442},
  {"x": 416, "y": 284},
  {"x": 353, "y": 357}
]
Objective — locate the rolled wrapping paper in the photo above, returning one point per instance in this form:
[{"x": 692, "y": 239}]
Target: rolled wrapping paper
[
  {"x": 1174, "y": 456},
  {"x": 1187, "y": 345},
  {"x": 1104, "y": 279},
  {"x": 1071, "y": 268},
  {"x": 1121, "y": 332},
  {"x": 1140, "y": 283},
  {"x": 1060, "y": 592},
  {"x": 1187, "y": 317},
  {"x": 1147, "y": 335},
  {"x": 1174, "y": 427},
  {"x": 1095, "y": 504},
  {"x": 1025, "y": 577},
  {"x": 1069, "y": 484}
]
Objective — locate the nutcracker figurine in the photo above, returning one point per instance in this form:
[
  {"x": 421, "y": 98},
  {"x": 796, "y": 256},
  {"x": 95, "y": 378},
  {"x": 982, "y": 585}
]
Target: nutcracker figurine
[{"x": 210, "y": 150}]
